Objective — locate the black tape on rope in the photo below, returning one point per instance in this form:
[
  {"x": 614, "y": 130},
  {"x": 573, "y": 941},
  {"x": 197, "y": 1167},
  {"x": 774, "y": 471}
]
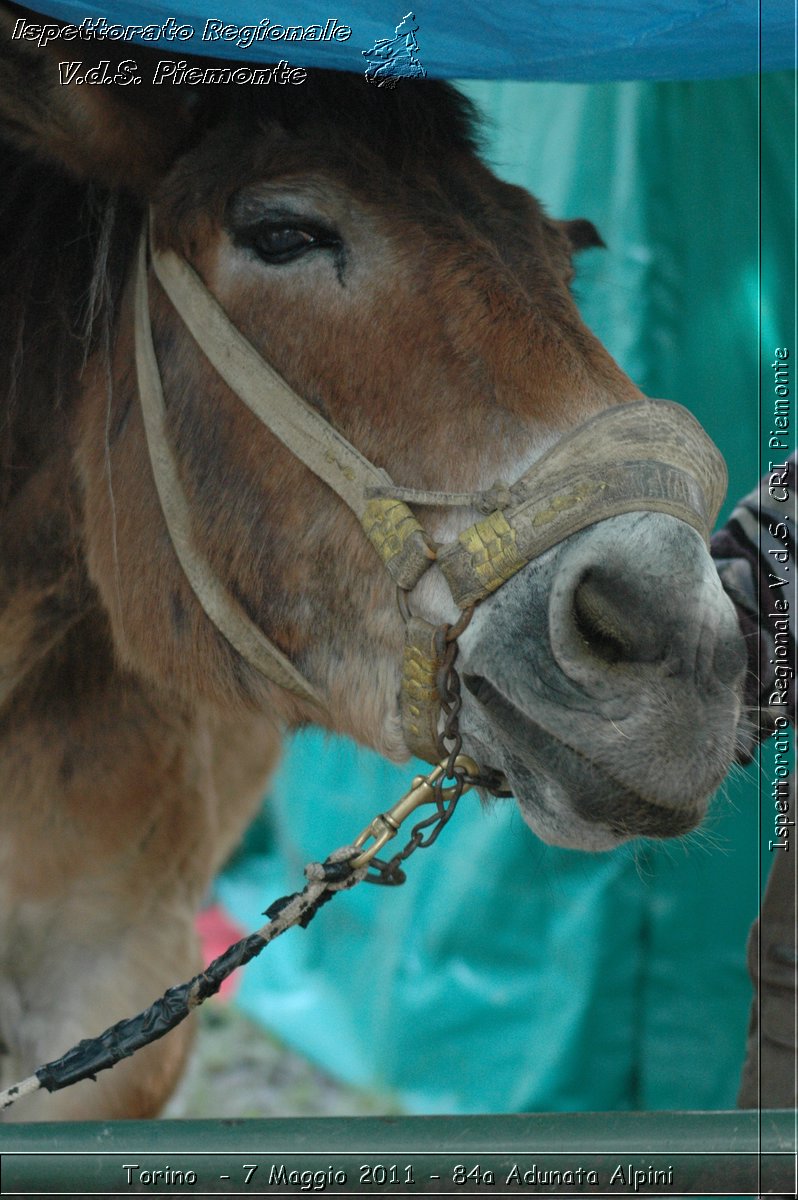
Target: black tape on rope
[
  {"x": 93, "y": 1055},
  {"x": 96, "y": 1054}
]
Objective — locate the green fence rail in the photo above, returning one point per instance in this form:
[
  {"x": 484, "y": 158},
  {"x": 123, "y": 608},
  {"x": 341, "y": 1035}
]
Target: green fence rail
[{"x": 665, "y": 1153}]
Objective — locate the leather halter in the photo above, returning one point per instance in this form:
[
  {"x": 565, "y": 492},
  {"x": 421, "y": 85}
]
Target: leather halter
[{"x": 645, "y": 455}]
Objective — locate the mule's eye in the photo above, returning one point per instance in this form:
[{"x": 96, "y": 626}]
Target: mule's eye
[{"x": 281, "y": 243}]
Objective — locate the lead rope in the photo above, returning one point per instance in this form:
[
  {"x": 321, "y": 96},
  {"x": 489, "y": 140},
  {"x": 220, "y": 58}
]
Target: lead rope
[{"x": 343, "y": 869}]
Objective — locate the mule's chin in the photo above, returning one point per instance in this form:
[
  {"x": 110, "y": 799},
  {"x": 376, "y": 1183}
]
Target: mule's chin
[{"x": 567, "y": 799}]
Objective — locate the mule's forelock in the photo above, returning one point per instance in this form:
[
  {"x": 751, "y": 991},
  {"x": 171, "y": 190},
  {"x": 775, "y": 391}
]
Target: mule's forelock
[{"x": 417, "y": 119}]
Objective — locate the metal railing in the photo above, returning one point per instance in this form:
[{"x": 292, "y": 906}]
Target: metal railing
[{"x": 598, "y": 1154}]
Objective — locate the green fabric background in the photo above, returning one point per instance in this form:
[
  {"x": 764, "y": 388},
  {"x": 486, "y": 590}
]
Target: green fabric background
[{"x": 507, "y": 975}]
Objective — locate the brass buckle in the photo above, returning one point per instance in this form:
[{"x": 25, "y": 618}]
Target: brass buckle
[{"x": 385, "y": 826}]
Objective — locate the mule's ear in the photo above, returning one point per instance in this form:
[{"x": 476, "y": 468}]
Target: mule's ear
[
  {"x": 582, "y": 234},
  {"x": 121, "y": 134}
]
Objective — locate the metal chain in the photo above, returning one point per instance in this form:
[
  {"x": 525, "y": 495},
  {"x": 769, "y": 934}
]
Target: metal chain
[{"x": 450, "y": 743}]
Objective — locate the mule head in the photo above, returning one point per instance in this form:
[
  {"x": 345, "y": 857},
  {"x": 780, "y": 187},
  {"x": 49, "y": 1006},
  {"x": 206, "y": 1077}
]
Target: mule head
[{"x": 355, "y": 238}]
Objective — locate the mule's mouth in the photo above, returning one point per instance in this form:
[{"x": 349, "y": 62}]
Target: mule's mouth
[{"x": 567, "y": 798}]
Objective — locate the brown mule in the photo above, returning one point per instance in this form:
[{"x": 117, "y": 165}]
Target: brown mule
[{"x": 422, "y": 306}]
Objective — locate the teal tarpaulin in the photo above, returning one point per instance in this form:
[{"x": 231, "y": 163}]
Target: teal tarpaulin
[
  {"x": 520, "y": 39},
  {"x": 507, "y": 975}
]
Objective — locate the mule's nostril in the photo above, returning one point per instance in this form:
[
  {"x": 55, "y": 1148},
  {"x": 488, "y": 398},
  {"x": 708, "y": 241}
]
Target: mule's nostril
[
  {"x": 638, "y": 605},
  {"x": 599, "y": 620}
]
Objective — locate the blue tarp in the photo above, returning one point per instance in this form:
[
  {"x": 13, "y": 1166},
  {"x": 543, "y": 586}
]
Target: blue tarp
[{"x": 481, "y": 39}]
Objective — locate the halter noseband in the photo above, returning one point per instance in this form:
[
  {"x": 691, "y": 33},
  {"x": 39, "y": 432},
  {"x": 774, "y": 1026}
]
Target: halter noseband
[{"x": 600, "y": 469}]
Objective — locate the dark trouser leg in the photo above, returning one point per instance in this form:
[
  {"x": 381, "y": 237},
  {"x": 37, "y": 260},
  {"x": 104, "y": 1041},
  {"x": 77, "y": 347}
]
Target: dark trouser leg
[{"x": 769, "y": 1073}]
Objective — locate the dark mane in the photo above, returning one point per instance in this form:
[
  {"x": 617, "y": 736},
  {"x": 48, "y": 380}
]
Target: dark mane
[
  {"x": 65, "y": 245},
  {"x": 56, "y": 275},
  {"x": 416, "y": 118}
]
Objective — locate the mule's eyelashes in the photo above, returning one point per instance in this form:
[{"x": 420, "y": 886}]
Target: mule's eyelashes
[{"x": 277, "y": 242}]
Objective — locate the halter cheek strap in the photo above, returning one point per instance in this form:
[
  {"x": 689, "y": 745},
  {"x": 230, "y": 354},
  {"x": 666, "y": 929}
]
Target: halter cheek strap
[
  {"x": 648, "y": 455},
  {"x": 224, "y": 611},
  {"x": 389, "y": 524}
]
